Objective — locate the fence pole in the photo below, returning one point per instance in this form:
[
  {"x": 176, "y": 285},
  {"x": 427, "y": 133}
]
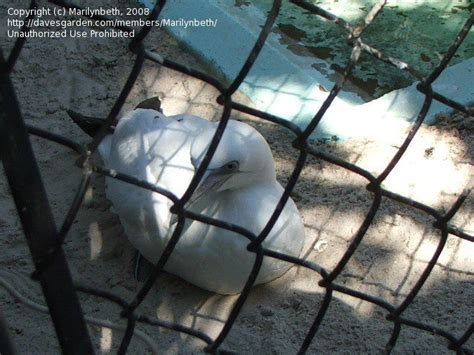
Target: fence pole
[
  {"x": 6, "y": 344},
  {"x": 38, "y": 223}
]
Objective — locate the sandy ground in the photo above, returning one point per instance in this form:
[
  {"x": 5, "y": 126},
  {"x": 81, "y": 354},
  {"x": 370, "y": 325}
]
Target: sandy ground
[{"x": 86, "y": 75}]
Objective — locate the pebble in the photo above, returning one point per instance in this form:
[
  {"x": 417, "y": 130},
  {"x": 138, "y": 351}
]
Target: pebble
[{"x": 266, "y": 312}]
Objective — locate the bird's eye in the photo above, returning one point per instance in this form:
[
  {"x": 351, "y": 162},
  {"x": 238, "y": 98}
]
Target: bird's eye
[{"x": 232, "y": 166}]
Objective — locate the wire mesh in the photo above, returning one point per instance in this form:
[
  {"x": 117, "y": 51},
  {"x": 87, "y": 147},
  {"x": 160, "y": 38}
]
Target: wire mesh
[{"x": 394, "y": 313}]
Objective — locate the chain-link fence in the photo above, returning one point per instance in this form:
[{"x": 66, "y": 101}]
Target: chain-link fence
[{"x": 45, "y": 242}]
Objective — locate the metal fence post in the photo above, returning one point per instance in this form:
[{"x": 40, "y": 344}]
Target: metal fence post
[
  {"x": 6, "y": 345},
  {"x": 38, "y": 223}
]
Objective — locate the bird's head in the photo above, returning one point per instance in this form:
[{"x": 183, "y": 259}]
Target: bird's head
[{"x": 242, "y": 158}]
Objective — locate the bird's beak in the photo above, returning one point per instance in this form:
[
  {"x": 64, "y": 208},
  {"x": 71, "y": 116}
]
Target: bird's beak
[{"x": 210, "y": 181}]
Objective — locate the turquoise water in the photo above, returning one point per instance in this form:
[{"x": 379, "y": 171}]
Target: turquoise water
[{"x": 418, "y": 32}]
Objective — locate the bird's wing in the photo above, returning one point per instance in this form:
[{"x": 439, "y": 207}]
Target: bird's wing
[
  {"x": 169, "y": 152},
  {"x": 154, "y": 148}
]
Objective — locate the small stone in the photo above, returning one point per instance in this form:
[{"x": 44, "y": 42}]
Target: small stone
[
  {"x": 320, "y": 245},
  {"x": 266, "y": 312}
]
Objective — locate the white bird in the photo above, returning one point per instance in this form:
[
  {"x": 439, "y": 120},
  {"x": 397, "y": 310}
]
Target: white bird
[{"x": 239, "y": 186}]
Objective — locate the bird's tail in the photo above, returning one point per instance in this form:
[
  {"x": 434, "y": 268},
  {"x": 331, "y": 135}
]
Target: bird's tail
[{"x": 90, "y": 125}]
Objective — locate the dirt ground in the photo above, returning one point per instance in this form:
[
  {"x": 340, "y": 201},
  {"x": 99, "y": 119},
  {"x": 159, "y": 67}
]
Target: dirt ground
[{"x": 54, "y": 75}]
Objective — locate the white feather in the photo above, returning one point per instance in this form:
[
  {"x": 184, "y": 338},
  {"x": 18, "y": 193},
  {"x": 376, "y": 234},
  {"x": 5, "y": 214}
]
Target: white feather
[{"x": 150, "y": 146}]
